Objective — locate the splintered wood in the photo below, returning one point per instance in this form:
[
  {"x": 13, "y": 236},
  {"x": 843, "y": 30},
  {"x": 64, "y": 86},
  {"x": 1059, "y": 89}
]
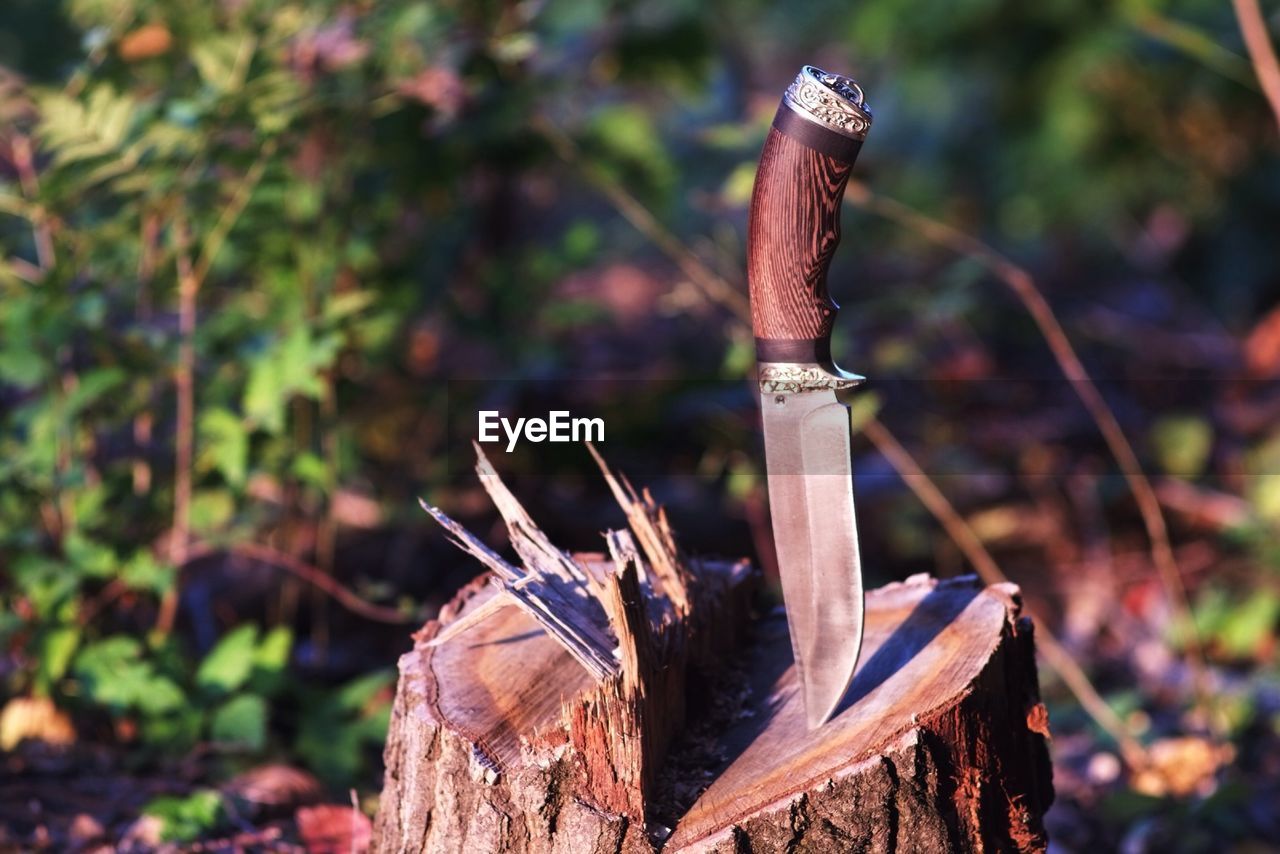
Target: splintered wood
[
  {"x": 637, "y": 624},
  {"x": 626, "y": 702}
]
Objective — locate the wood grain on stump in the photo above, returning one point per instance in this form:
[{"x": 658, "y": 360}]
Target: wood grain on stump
[
  {"x": 503, "y": 740},
  {"x": 940, "y": 746}
]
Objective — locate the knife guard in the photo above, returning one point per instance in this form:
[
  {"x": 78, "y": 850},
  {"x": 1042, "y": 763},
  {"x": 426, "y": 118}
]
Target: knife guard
[{"x": 794, "y": 223}]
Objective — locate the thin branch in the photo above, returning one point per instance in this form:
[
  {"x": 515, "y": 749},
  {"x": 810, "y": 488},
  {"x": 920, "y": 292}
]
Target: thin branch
[
  {"x": 1253, "y": 26},
  {"x": 80, "y": 77},
  {"x": 312, "y": 575},
  {"x": 24, "y": 163},
  {"x": 1195, "y": 44},
  {"x": 231, "y": 213},
  {"x": 1055, "y": 654},
  {"x": 184, "y": 440},
  {"x": 190, "y": 277},
  {"x": 144, "y": 421},
  {"x": 1024, "y": 287},
  {"x": 25, "y": 270},
  {"x": 714, "y": 286}
]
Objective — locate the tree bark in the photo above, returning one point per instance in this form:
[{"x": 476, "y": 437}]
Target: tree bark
[{"x": 506, "y": 736}]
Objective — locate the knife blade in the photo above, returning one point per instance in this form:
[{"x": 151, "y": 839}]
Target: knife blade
[{"x": 793, "y": 229}]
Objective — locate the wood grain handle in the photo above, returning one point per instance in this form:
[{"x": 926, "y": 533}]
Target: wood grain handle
[{"x": 794, "y": 222}]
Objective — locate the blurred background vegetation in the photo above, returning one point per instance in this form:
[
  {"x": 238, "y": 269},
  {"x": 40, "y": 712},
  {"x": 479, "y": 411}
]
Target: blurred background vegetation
[{"x": 259, "y": 255}]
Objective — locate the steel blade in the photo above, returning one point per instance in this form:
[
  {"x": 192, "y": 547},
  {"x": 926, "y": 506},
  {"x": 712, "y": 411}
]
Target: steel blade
[{"x": 806, "y": 440}]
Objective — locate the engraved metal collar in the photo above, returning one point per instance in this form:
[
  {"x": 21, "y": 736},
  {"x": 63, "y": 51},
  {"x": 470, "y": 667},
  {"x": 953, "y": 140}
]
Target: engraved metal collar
[
  {"x": 831, "y": 100},
  {"x": 797, "y": 377}
]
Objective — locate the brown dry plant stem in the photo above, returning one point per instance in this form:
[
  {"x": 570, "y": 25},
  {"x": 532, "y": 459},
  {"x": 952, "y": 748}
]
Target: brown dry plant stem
[
  {"x": 231, "y": 213},
  {"x": 327, "y": 527},
  {"x": 191, "y": 276},
  {"x": 1253, "y": 26},
  {"x": 712, "y": 284},
  {"x": 1024, "y": 288},
  {"x": 1047, "y": 643},
  {"x": 1056, "y": 656},
  {"x": 184, "y": 431},
  {"x": 29, "y": 181},
  {"x": 143, "y": 422},
  {"x": 313, "y": 575}
]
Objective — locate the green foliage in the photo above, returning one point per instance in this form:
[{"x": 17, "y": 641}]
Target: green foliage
[
  {"x": 187, "y": 818},
  {"x": 115, "y": 673},
  {"x": 345, "y": 727},
  {"x": 1182, "y": 444},
  {"x": 242, "y": 722},
  {"x": 1238, "y": 626},
  {"x": 228, "y": 665},
  {"x": 225, "y": 140}
]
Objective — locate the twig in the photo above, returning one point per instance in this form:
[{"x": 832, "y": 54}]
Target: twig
[
  {"x": 190, "y": 278},
  {"x": 184, "y": 440},
  {"x": 80, "y": 77},
  {"x": 24, "y": 163},
  {"x": 312, "y": 575},
  {"x": 1193, "y": 43},
  {"x": 714, "y": 286},
  {"x": 1254, "y": 29},
  {"x": 231, "y": 213},
  {"x": 1055, "y": 654},
  {"x": 144, "y": 422},
  {"x": 1024, "y": 287}
]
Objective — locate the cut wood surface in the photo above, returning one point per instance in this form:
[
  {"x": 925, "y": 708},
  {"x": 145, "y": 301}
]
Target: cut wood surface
[
  {"x": 506, "y": 736},
  {"x": 940, "y": 744}
]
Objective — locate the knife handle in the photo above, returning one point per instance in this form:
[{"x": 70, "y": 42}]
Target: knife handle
[{"x": 794, "y": 221}]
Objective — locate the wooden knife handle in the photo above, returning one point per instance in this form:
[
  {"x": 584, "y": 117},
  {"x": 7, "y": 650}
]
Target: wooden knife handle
[{"x": 794, "y": 222}]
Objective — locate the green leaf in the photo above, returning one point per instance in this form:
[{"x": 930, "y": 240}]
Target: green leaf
[
  {"x": 348, "y": 303},
  {"x": 581, "y": 241},
  {"x": 292, "y": 366},
  {"x": 160, "y": 695},
  {"x": 114, "y": 673},
  {"x": 46, "y": 582},
  {"x": 55, "y": 650},
  {"x": 862, "y": 408},
  {"x": 223, "y": 60},
  {"x": 241, "y": 721},
  {"x": 1182, "y": 444},
  {"x": 629, "y": 140},
  {"x": 177, "y": 731},
  {"x": 143, "y": 572},
  {"x": 311, "y": 470},
  {"x": 92, "y": 132},
  {"x": 356, "y": 694},
  {"x": 224, "y": 445},
  {"x": 1250, "y": 624},
  {"x": 1263, "y": 491},
  {"x": 186, "y": 819},
  {"x": 93, "y": 559},
  {"x": 211, "y": 510},
  {"x": 20, "y": 363},
  {"x": 341, "y": 728},
  {"x": 272, "y": 655},
  {"x": 229, "y": 664},
  {"x": 736, "y": 190}
]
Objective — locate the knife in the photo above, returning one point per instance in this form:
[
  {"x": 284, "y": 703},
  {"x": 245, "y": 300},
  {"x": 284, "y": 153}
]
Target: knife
[{"x": 793, "y": 230}]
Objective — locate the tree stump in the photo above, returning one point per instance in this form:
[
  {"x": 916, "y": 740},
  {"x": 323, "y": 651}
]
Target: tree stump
[{"x": 512, "y": 733}]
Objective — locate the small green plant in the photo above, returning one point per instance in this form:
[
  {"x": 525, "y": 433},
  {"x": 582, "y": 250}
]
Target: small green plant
[{"x": 184, "y": 819}]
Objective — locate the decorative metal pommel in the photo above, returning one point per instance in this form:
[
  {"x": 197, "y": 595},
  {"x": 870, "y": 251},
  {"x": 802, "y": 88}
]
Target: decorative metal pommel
[{"x": 830, "y": 100}]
